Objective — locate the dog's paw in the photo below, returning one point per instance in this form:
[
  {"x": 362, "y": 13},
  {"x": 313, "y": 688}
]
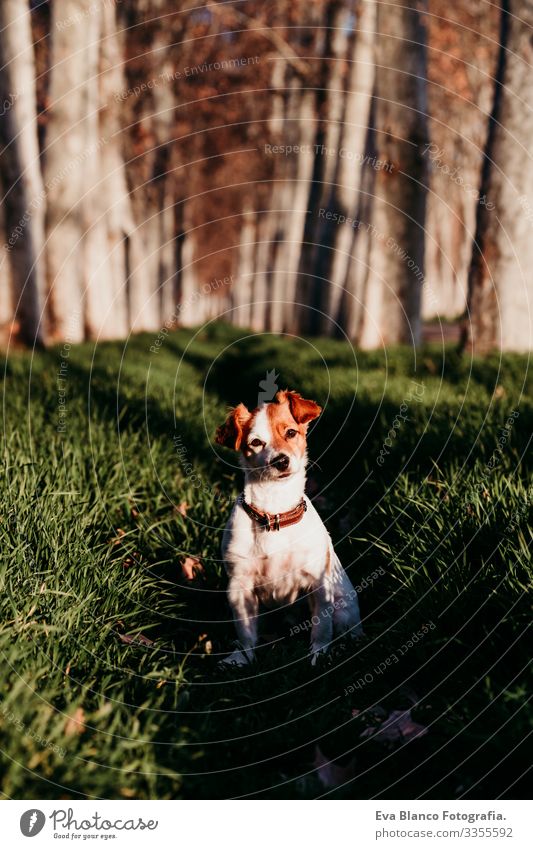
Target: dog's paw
[{"x": 237, "y": 658}]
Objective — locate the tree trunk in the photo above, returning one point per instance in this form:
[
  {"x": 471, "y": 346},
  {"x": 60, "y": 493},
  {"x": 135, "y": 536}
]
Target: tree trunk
[
  {"x": 396, "y": 255},
  {"x": 242, "y": 290},
  {"x": 266, "y": 233},
  {"x": 19, "y": 160},
  {"x": 106, "y": 202},
  {"x": 329, "y": 107},
  {"x": 189, "y": 295},
  {"x": 71, "y": 142},
  {"x": 6, "y": 300},
  {"x": 501, "y": 278},
  {"x": 152, "y": 287},
  {"x": 290, "y": 203},
  {"x": 338, "y": 235}
]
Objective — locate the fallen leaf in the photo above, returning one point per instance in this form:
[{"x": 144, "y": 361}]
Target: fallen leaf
[
  {"x": 131, "y": 560},
  {"x": 398, "y": 727},
  {"x": 332, "y": 774},
  {"x": 117, "y": 539},
  {"x": 75, "y": 723},
  {"x": 191, "y": 567}
]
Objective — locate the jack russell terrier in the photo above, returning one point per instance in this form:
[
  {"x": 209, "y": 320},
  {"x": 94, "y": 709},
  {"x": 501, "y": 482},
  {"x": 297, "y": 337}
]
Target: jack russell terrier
[{"x": 275, "y": 546}]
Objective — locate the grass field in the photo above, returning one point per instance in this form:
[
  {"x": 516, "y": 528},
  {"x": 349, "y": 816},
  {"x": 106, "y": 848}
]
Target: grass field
[{"x": 93, "y": 541}]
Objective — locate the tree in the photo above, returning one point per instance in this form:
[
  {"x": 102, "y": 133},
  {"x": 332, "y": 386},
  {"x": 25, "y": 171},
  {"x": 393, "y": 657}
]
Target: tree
[
  {"x": 392, "y": 287},
  {"x": 462, "y": 54},
  {"x": 108, "y": 219},
  {"x": 500, "y": 281},
  {"x": 337, "y": 236},
  {"x": 23, "y": 196},
  {"x": 72, "y": 148},
  {"x": 335, "y": 67},
  {"x": 88, "y": 210}
]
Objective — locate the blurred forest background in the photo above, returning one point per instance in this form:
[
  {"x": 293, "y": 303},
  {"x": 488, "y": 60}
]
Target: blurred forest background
[{"x": 333, "y": 167}]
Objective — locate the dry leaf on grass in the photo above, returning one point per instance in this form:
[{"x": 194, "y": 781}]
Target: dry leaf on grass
[
  {"x": 131, "y": 560},
  {"x": 75, "y": 723},
  {"x": 330, "y": 773},
  {"x": 399, "y": 727},
  {"x": 182, "y": 508},
  {"x": 191, "y": 568},
  {"x": 118, "y": 538},
  {"x": 127, "y": 792}
]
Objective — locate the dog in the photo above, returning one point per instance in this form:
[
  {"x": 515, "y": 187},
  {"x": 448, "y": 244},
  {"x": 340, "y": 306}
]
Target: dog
[{"x": 275, "y": 547}]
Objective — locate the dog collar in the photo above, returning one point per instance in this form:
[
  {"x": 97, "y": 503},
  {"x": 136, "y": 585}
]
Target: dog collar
[{"x": 274, "y": 521}]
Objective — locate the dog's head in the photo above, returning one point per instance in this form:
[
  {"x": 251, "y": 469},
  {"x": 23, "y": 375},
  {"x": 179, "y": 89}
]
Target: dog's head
[{"x": 272, "y": 439}]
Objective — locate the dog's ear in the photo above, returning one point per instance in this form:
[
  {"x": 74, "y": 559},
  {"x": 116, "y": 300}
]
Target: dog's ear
[
  {"x": 231, "y": 432},
  {"x": 302, "y": 410}
]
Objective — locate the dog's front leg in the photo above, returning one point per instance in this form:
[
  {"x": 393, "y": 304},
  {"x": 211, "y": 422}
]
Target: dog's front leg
[
  {"x": 244, "y": 606},
  {"x": 322, "y": 624}
]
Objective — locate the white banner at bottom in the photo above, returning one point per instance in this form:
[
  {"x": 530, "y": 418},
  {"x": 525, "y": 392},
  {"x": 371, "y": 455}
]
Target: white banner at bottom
[{"x": 264, "y": 824}]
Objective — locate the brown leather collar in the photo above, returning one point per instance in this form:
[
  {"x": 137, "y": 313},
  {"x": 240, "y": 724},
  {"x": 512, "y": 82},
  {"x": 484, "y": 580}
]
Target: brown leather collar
[{"x": 274, "y": 521}]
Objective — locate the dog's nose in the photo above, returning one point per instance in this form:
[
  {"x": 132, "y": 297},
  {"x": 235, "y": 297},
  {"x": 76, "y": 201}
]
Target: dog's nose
[{"x": 281, "y": 462}]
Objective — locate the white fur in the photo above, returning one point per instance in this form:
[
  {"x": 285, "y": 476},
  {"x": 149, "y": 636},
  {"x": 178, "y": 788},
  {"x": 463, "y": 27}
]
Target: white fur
[{"x": 277, "y": 566}]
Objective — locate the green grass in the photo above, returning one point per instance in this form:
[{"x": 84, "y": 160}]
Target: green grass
[{"x": 91, "y": 545}]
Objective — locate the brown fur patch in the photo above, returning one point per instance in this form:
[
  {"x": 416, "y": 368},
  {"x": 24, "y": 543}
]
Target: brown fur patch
[
  {"x": 234, "y": 431},
  {"x": 288, "y": 411},
  {"x": 302, "y": 410},
  {"x": 281, "y": 420}
]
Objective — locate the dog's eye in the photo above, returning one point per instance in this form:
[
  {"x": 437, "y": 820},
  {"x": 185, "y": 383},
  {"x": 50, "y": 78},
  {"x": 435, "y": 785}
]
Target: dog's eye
[
  {"x": 256, "y": 443},
  {"x": 290, "y": 433}
]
